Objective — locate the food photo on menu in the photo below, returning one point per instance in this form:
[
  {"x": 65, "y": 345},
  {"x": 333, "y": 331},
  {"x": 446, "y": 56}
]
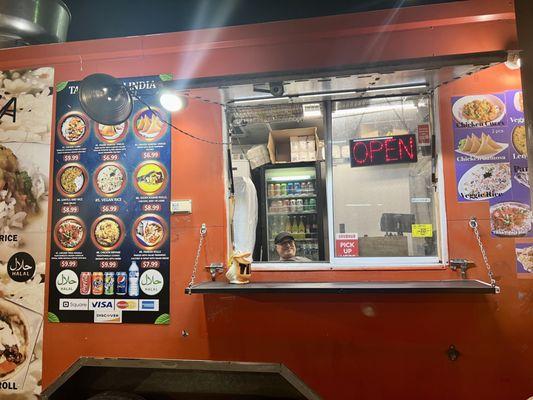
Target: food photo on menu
[{"x": 479, "y": 110}]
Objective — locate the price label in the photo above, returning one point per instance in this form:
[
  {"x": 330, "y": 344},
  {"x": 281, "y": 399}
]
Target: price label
[
  {"x": 70, "y": 209},
  {"x": 68, "y": 263},
  {"x": 422, "y": 230},
  {"x": 109, "y": 208},
  {"x": 71, "y": 157},
  {"x": 151, "y": 207},
  {"x": 150, "y": 264},
  {"x": 108, "y": 264},
  {"x": 110, "y": 157},
  {"x": 150, "y": 154}
]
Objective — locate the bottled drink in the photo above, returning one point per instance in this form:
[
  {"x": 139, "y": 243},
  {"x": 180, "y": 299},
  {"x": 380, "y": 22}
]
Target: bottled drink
[
  {"x": 306, "y": 204},
  {"x": 286, "y": 205},
  {"x": 276, "y": 189},
  {"x": 290, "y": 189},
  {"x": 133, "y": 280},
  {"x": 310, "y": 187},
  {"x": 313, "y": 228},
  {"x": 293, "y": 206},
  {"x": 297, "y": 189},
  {"x": 312, "y": 204},
  {"x": 307, "y": 228},
  {"x": 299, "y": 205},
  {"x": 283, "y": 189},
  {"x": 303, "y": 187},
  {"x": 288, "y": 226},
  {"x": 270, "y": 190},
  {"x": 301, "y": 228}
]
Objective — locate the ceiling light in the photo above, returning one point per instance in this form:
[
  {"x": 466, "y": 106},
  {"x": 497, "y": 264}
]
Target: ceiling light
[
  {"x": 373, "y": 109},
  {"x": 172, "y": 101},
  {"x": 260, "y": 100},
  {"x": 395, "y": 88}
]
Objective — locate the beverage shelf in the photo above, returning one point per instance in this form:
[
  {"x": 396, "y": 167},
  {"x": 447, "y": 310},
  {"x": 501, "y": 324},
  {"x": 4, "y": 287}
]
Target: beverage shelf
[
  {"x": 293, "y": 213},
  {"x": 292, "y": 196},
  {"x": 301, "y": 239}
]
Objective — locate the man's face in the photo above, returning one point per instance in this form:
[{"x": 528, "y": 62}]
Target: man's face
[{"x": 286, "y": 249}]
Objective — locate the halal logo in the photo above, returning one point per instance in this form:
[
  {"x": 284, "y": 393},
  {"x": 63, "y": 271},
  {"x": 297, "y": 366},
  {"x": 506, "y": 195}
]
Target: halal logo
[{"x": 21, "y": 267}]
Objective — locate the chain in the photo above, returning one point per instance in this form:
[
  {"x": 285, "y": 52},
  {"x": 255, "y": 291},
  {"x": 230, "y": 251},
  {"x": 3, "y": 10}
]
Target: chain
[
  {"x": 474, "y": 225},
  {"x": 203, "y": 231}
]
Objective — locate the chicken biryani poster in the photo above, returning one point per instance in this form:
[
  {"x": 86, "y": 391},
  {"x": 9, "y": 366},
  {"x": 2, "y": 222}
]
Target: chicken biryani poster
[
  {"x": 109, "y": 259},
  {"x": 491, "y": 159},
  {"x": 24, "y": 175}
]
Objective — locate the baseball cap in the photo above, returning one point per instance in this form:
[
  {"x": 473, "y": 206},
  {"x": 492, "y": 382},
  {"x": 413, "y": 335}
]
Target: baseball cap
[{"x": 282, "y": 236}]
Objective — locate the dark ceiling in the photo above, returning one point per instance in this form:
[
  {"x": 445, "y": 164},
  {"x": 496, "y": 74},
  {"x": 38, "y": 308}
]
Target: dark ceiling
[{"x": 96, "y": 19}]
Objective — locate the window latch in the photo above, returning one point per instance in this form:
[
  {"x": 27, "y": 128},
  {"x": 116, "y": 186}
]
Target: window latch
[{"x": 462, "y": 264}]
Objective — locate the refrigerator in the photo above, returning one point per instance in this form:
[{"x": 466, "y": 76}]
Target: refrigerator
[{"x": 291, "y": 199}]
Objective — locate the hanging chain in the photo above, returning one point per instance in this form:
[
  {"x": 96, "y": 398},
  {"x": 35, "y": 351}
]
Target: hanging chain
[
  {"x": 474, "y": 225},
  {"x": 203, "y": 231}
]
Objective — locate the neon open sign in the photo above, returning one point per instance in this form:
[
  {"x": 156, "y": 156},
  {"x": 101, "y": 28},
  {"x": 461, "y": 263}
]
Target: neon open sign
[{"x": 383, "y": 150}]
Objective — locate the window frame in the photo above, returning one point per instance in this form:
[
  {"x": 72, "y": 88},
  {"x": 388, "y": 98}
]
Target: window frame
[{"x": 437, "y": 262}]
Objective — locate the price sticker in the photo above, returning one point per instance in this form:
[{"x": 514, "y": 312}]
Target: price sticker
[{"x": 422, "y": 230}]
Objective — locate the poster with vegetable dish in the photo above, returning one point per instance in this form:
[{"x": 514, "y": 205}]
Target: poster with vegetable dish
[
  {"x": 491, "y": 159},
  {"x": 25, "y": 133},
  {"x": 109, "y": 258}
]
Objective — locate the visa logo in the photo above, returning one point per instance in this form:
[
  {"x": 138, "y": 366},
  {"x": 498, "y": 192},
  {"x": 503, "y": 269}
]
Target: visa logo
[
  {"x": 101, "y": 304},
  {"x": 149, "y": 305}
]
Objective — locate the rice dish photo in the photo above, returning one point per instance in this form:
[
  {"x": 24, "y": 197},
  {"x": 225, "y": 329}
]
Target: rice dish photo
[
  {"x": 510, "y": 219},
  {"x": 525, "y": 257},
  {"x": 70, "y": 233},
  {"x": 14, "y": 339},
  {"x": 73, "y": 128},
  {"x": 519, "y": 139},
  {"x": 522, "y": 177},
  {"x": 107, "y": 232},
  {"x": 485, "y": 181},
  {"x": 72, "y": 179},
  {"x": 110, "y": 179}
]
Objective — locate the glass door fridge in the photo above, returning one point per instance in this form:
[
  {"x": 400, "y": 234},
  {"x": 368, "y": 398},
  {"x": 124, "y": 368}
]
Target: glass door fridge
[{"x": 291, "y": 201}]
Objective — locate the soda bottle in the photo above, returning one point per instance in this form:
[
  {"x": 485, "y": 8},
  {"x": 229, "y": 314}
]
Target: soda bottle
[
  {"x": 288, "y": 225},
  {"x": 297, "y": 189},
  {"x": 133, "y": 280},
  {"x": 270, "y": 190},
  {"x": 310, "y": 187},
  {"x": 303, "y": 188},
  {"x": 290, "y": 189},
  {"x": 283, "y": 189},
  {"x": 301, "y": 228}
]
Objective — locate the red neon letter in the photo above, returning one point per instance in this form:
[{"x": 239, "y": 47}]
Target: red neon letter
[
  {"x": 374, "y": 149},
  {"x": 410, "y": 151},
  {"x": 354, "y": 151},
  {"x": 389, "y": 148}
]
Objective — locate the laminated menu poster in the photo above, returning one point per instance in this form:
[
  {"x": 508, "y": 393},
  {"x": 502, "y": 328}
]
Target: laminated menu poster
[
  {"x": 524, "y": 259},
  {"x": 109, "y": 259},
  {"x": 25, "y": 133},
  {"x": 491, "y": 159}
]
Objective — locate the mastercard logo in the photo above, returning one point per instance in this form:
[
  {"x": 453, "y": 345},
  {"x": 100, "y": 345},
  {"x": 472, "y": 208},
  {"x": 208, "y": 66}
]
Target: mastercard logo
[{"x": 127, "y": 305}]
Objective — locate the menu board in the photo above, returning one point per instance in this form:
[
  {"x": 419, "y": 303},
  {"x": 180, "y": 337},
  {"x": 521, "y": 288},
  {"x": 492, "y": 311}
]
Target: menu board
[
  {"x": 491, "y": 159},
  {"x": 110, "y": 232}
]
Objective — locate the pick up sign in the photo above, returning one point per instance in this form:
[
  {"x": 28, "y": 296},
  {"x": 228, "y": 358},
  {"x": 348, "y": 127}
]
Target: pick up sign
[{"x": 346, "y": 245}]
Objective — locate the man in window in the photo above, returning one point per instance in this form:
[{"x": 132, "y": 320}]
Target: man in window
[{"x": 286, "y": 248}]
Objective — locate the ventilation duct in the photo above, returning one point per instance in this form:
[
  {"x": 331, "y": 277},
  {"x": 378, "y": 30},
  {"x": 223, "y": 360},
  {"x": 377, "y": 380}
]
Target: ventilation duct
[{"x": 26, "y": 22}]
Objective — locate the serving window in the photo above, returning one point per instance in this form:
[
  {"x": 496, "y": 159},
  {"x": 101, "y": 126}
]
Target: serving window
[{"x": 349, "y": 182}]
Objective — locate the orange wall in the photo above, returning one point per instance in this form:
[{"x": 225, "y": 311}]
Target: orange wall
[{"x": 343, "y": 346}]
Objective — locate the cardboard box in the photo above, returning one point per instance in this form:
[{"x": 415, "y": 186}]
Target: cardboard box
[
  {"x": 283, "y": 149},
  {"x": 258, "y": 155}
]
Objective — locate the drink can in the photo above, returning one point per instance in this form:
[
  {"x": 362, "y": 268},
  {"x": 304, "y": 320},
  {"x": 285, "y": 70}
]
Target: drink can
[
  {"x": 122, "y": 283},
  {"x": 299, "y": 205},
  {"x": 297, "y": 188},
  {"x": 290, "y": 189},
  {"x": 109, "y": 283},
  {"x": 98, "y": 283},
  {"x": 276, "y": 189},
  {"x": 85, "y": 283},
  {"x": 292, "y": 207}
]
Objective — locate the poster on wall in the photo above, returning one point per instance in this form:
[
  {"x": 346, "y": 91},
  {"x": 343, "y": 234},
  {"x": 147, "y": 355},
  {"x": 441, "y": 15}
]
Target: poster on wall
[
  {"x": 524, "y": 259},
  {"x": 25, "y": 133},
  {"x": 109, "y": 260},
  {"x": 491, "y": 159}
]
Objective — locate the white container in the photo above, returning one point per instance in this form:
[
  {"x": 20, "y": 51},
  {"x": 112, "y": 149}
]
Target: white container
[{"x": 133, "y": 280}]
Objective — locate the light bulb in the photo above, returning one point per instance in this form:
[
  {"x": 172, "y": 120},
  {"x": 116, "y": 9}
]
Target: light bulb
[{"x": 172, "y": 102}]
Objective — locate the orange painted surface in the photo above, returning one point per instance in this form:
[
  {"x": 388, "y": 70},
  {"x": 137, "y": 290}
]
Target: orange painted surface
[{"x": 343, "y": 346}]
